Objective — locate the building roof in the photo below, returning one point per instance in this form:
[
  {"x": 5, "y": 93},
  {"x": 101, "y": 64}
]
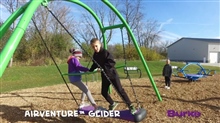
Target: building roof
[{"x": 198, "y": 39}]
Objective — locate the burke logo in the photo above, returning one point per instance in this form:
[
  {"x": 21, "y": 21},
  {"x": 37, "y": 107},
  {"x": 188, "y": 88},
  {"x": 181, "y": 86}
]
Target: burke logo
[{"x": 172, "y": 113}]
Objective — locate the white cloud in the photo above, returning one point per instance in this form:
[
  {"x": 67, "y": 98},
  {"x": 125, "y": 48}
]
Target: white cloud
[
  {"x": 165, "y": 35},
  {"x": 164, "y": 23}
]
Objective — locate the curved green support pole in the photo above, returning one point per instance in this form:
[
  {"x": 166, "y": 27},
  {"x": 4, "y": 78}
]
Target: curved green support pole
[
  {"x": 94, "y": 15},
  {"x": 5, "y": 26},
  {"x": 29, "y": 10},
  {"x": 99, "y": 23},
  {"x": 97, "y": 20},
  {"x": 16, "y": 36},
  {"x": 136, "y": 46}
]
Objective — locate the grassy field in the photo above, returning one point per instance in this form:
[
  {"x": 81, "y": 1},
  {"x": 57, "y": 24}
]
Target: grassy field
[{"x": 21, "y": 77}]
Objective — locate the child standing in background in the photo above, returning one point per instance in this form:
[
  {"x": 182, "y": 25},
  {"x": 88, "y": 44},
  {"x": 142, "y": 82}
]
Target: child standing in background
[
  {"x": 167, "y": 73},
  {"x": 74, "y": 66}
]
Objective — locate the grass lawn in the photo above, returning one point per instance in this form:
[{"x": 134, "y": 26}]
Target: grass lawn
[{"x": 21, "y": 77}]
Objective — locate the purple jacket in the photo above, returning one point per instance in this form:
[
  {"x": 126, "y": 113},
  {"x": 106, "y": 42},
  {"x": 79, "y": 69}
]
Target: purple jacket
[{"x": 74, "y": 66}]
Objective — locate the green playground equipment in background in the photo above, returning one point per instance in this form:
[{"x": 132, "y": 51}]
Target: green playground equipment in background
[{"x": 201, "y": 72}]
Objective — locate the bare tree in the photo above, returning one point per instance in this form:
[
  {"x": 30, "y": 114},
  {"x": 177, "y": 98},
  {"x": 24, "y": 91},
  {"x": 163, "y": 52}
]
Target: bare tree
[
  {"x": 146, "y": 32},
  {"x": 89, "y": 28},
  {"x": 5, "y": 37},
  {"x": 131, "y": 10},
  {"x": 149, "y": 34},
  {"x": 162, "y": 47},
  {"x": 11, "y": 6},
  {"x": 51, "y": 30},
  {"x": 48, "y": 26}
]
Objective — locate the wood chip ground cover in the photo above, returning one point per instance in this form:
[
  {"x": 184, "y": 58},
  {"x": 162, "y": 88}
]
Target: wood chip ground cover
[{"x": 201, "y": 96}]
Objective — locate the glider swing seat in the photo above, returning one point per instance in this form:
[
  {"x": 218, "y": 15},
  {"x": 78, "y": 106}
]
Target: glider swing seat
[
  {"x": 124, "y": 114},
  {"x": 28, "y": 10}
]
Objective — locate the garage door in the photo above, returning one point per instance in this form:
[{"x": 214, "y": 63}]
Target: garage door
[{"x": 213, "y": 57}]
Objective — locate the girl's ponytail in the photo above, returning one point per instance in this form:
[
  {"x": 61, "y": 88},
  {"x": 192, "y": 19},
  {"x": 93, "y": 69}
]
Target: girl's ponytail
[{"x": 71, "y": 50}]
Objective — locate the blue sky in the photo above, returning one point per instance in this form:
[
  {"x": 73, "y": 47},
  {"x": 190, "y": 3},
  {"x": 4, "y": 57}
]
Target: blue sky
[
  {"x": 179, "y": 18},
  {"x": 194, "y": 18}
]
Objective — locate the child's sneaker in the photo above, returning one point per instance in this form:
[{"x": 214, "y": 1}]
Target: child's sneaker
[
  {"x": 166, "y": 87},
  {"x": 113, "y": 106},
  {"x": 99, "y": 108},
  {"x": 83, "y": 105},
  {"x": 132, "y": 109}
]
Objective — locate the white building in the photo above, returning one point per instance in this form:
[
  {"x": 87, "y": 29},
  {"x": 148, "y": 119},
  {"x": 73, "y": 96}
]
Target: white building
[{"x": 195, "y": 50}]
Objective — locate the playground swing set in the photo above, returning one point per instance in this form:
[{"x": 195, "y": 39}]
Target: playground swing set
[
  {"x": 27, "y": 11},
  {"x": 127, "y": 69},
  {"x": 201, "y": 72}
]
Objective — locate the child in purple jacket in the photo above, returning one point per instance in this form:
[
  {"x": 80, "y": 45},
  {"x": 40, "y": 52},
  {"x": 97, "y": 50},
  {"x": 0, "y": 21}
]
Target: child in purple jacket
[{"x": 74, "y": 66}]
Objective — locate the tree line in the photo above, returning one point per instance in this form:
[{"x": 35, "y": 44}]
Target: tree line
[{"x": 31, "y": 50}]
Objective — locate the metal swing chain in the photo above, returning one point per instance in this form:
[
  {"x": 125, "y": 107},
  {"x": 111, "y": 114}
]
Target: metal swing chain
[
  {"x": 136, "y": 98},
  {"x": 85, "y": 51},
  {"x": 54, "y": 61},
  {"x": 123, "y": 47},
  {"x": 86, "y": 74}
]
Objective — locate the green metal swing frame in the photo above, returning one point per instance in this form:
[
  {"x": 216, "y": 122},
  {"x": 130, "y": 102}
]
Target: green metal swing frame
[{"x": 27, "y": 11}]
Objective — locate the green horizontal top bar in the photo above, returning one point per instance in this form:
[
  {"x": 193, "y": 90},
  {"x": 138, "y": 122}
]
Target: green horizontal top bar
[
  {"x": 121, "y": 66},
  {"x": 113, "y": 27}
]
